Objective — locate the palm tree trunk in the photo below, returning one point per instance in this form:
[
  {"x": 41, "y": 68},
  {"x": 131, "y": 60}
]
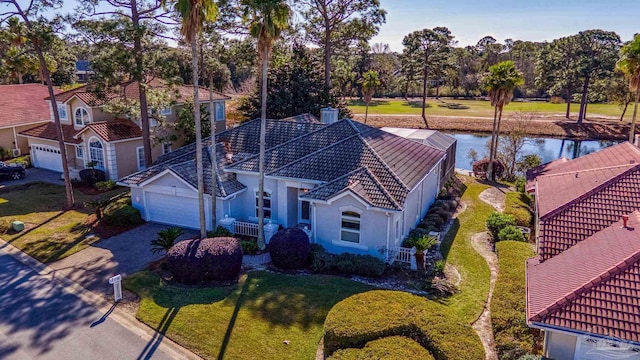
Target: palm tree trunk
[
  {"x": 497, "y": 140},
  {"x": 366, "y": 112},
  {"x": 214, "y": 161},
  {"x": 263, "y": 136},
  {"x": 424, "y": 97},
  {"x": 489, "y": 173},
  {"x": 198, "y": 125},
  {"x": 632, "y": 133}
]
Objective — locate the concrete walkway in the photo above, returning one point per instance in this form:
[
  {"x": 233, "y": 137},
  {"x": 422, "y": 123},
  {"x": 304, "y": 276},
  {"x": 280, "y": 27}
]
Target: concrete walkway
[
  {"x": 35, "y": 175},
  {"x": 122, "y": 254}
]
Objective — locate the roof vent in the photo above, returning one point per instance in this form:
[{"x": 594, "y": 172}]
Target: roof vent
[
  {"x": 625, "y": 220},
  {"x": 576, "y": 175}
]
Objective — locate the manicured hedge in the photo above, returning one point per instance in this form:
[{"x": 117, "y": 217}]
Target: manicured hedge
[
  {"x": 121, "y": 213},
  {"x": 517, "y": 204},
  {"x": 372, "y": 315},
  {"x": 194, "y": 261},
  {"x": 391, "y": 348},
  {"x": 348, "y": 264},
  {"x": 513, "y": 338},
  {"x": 289, "y": 248}
]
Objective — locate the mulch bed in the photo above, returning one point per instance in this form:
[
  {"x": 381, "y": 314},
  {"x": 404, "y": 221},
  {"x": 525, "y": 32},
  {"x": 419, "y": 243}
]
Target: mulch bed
[
  {"x": 88, "y": 189},
  {"x": 103, "y": 230}
]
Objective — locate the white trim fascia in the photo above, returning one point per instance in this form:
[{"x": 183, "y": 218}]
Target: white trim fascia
[
  {"x": 39, "y": 138},
  {"x": 232, "y": 195},
  {"x": 123, "y": 140},
  {"x": 317, "y": 182},
  {"x": 164, "y": 172},
  {"x": 31, "y": 123},
  {"x": 82, "y": 101},
  {"x": 567, "y": 331},
  {"x": 343, "y": 194}
]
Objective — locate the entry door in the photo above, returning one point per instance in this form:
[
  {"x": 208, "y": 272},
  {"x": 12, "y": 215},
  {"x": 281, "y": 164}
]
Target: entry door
[{"x": 304, "y": 214}]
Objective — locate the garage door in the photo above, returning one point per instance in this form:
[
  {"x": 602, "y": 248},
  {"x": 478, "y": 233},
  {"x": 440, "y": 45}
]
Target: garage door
[
  {"x": 46, "y": 157},
  {"x": 173, "y": 210}
]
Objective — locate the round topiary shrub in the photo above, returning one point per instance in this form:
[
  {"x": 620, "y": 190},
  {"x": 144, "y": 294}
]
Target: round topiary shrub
[
  {"x": 289, "y": 248},
  {"x": 194, "y": 261}
]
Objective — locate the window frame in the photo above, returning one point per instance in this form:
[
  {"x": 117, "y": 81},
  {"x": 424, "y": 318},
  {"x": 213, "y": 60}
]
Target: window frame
[
  {"x": 220, "y": 104},
  {"x": 353, "y": 217},
  {"x": 80, "y": 154},
  {"x": 101, "y": 155},
  {"x": 269, "y": 209},
  {"x": 86, "y": 121},
  {"x": 63, "y": 107},
  {"x": 164, "y": 149},
  {"x": 140, "y": 158},
  {"x": 165, "y": 113}
]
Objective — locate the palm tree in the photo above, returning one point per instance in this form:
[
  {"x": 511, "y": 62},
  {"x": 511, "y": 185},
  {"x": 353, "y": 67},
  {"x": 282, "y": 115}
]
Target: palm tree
[
  {"x": 266, "y": 20},
  {"x": 194, "y": 14},
  {"x": 166, "y": 239},
  {"x": 629, "y": 64},
  {"x": 500, "y": 82},
  {"x": 369, "y": 83}
]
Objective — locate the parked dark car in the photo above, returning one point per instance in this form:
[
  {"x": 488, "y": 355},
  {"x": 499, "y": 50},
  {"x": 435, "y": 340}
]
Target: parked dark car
[{"x": 12, "y": 171}]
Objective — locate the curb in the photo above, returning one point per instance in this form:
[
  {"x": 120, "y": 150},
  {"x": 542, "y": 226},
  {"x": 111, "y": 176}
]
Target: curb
[{"x": 101, "y": 304}]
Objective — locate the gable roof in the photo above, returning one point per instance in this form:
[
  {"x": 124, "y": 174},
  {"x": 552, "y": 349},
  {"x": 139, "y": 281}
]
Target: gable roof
[
  {"x": 593, "y": 287},
  {"x": 115, "y": 130},
  {"x": 24, "y": 104},
  {"x": 48, "y": 131},
  {"x": 131, "y": 91},
  {"x": 379, "y": 167}
]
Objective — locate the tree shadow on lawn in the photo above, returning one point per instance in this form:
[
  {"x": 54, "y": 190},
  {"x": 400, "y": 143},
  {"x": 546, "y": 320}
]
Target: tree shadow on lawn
[
  {"x": 373, "y": 103},
  {"x": 418, "y": 104}
]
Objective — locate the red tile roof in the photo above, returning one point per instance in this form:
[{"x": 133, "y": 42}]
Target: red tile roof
[
  {"x": 23, "y": 104},
  {"x": 543, "y": 169},
  {"x": 593, "y": 286},
  {"x": 48, "y": 131},
  {"x": 131, "y": 90},
  {"x": 114, "y": 130}
]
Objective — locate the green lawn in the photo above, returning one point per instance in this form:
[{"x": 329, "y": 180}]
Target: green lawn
[
  {"x": 479, "y": 108},
  {"x": 508, "y": 315},
  {"x": 50, "y": 233},
  {"x": 250, "y": 320}
]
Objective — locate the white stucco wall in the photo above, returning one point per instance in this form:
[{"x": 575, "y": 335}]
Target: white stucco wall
[{"x": 559, "y": 345}]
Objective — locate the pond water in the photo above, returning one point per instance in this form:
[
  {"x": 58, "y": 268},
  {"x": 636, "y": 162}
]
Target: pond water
[{"x": 548, "y": 149}]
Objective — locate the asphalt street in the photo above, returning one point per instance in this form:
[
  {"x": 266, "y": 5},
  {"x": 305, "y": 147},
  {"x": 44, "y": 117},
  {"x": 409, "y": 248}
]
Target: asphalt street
[{"x": 39, "y": 319}]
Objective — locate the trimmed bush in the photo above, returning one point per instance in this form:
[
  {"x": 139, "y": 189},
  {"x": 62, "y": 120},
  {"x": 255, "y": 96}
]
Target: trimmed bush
[
  {"x": 365, "y": 317},
  {"x": 220, "y": 232},
  {"x": 320, "y": 260},
  {"x": 92, "y": 176},
  {"x": 123, "y": 215},
  {"x": 421, "y": 243},
  {"x": 417, "y": 233},
  {"x": 249, "y": 247},
  {"x": 195, "y": 261},
  {"x": 521, "y": 184},
  {"x": 289, "y": 248},
  {"x": 498, "y": 221},
  {"x": 105, "y": 185},
  {"x": 435, "y": 219},
  {"x": 348, "y": 264},
  {"x": 517, "y": 204},
  {"x": 393, "y": 347},
  {"x": 511, "y": 232}
]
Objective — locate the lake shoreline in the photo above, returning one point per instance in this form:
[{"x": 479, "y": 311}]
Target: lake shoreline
[{"x": 592, "y": 129}]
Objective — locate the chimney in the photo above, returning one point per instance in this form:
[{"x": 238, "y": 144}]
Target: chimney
[
  {"x": 625, "y": 219},
  {"x": 328, "y": 115}
]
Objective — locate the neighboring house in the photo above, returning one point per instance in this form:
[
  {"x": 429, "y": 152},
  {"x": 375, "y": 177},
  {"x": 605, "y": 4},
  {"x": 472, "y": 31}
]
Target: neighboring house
[
  {"x": 83, "y": 71},
  {"x": 20, "y": 112},
  {"x": 434, "y": 139},
  {"x": 113, "y": 144},
  {"x": 583, "y": 288},
  {"x": 355, "y": 188}
]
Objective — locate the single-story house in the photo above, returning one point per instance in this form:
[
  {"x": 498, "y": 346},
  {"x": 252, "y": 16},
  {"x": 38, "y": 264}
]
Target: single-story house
[
  {"x": 112, "y": 143},
  {"x": 434, "y": 139},
  {"x": 354, "y": 187},
  {"x": 20, "y": 112},
  {"x": 583, "y": 287}
]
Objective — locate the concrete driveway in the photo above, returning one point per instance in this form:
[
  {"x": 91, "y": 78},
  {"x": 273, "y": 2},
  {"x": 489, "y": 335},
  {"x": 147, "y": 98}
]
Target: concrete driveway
[
  {"x": 121, "y": 254},
  {"x": 35, "y": 175},
  {"x": 40, "y": 319}
]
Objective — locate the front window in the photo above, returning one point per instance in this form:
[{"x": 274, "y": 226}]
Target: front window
[
  {"x": 219, "y": 108},
  {"x": 96, "y": 154},
  {"x": 165, "y": 111},
  {"x": 62, "y": 111},
  {"x": 80, "y": 151},
  {"x": 266, "y": 205},
  {"x": 140, "y": 155},
  {"x": 81, "y": 117},
  {"x": 166, "y": 148},
  {"x": 350, "y": 229}
]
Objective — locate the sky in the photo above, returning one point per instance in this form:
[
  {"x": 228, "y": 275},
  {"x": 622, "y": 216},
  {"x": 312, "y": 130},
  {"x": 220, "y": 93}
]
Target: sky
[{"x": 534, "y": 20}]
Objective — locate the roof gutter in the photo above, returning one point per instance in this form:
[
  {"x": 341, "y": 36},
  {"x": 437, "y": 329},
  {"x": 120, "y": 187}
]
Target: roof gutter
[{"x": 545, "y": 327}]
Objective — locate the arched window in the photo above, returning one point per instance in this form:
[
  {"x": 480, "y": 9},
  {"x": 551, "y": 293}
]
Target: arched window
[
  {"x": 96, "y": 153},
  {"x": 350, "y": 229},
  {"x": 81, "y": 117}
]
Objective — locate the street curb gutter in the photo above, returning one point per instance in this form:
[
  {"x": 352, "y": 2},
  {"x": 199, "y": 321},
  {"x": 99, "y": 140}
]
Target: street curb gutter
[{"x": 131, "y": 323}]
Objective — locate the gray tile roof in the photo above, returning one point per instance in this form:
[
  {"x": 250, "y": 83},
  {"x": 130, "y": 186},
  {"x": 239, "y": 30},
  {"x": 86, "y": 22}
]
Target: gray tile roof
[{"x": 379, "y": 167}]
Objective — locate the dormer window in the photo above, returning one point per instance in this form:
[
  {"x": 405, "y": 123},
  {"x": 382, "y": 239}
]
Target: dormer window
[{"x": 81, "y": 117}]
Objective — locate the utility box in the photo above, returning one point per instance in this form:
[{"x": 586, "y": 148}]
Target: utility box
[{"x": 17, "y": 226}]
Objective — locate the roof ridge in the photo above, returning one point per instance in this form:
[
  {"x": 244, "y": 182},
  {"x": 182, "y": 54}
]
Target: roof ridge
[
  {"x": 596, "y": 281},
  {"x": 593, "y": 169},
  {"x": 70, "y": 90},
  {"x": 589, "y": 193},
  {"x": 384, "y": 163},
  {"x": 384, "y": 190}
]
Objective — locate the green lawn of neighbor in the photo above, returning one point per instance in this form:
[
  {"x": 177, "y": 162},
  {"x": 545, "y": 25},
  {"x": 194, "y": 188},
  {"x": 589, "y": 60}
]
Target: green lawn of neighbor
[
  {"x": 50, "y": 232},
  {"x": 508, "y": 313},
  {"x": 250, "y": 320},
  {"x": 478, "y": 108}
]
